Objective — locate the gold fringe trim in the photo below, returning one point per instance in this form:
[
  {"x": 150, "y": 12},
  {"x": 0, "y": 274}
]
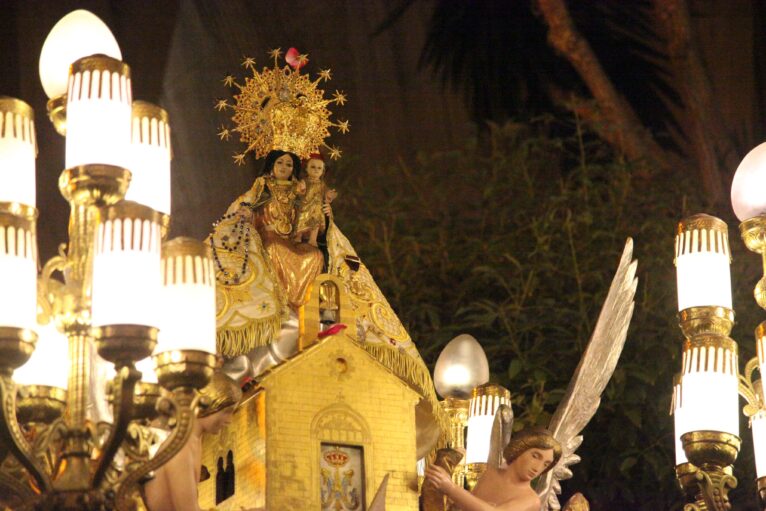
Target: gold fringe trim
[
  {"x": 413, "y": 372},
  {"x": 232, "y": 342}
]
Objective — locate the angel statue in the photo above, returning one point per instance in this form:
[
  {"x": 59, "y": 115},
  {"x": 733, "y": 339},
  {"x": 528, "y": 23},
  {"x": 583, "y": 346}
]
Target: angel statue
[{"x": 544, "y": 455}]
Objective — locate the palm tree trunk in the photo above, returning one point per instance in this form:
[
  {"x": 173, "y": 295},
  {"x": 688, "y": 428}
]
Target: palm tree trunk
[{"x": 702, "y": 123}]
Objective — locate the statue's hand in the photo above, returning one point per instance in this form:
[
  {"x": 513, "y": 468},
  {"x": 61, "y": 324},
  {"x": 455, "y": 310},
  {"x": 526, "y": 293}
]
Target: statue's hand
[
  {"x": 300, "y": 189},
  {"x": 439, "y": 478},
  {"x": 327, "y": 209}
]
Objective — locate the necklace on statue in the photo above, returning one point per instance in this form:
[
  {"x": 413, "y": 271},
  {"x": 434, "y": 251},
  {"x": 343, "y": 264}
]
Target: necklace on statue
[{"x": 242, "y": 231}]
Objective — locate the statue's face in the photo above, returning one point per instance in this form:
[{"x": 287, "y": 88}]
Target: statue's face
[
  {"x": 315, "y": 168},
  {"x": 219, "y": 420},
  {"x": 532, "y": 462},
  {"x": 283, "y": 167}
]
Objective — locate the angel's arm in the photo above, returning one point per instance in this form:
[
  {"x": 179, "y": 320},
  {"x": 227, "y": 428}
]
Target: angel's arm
[{"x": 466, "y": 501}]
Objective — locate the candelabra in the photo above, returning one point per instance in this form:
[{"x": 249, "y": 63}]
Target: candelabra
[
  {"x": 77, "y": 441},
  {"x": 460, "y": 376},
  {"x": 705, "y": 398}
]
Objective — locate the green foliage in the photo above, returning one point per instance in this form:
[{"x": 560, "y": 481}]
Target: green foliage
[{"x": 516, "y": 244}]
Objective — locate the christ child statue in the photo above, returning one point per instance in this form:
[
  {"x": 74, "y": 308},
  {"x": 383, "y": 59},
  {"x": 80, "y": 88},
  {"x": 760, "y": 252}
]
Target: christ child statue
[
  {"x": 531, "y": 453},
  {"x": 310, "y": 218}
]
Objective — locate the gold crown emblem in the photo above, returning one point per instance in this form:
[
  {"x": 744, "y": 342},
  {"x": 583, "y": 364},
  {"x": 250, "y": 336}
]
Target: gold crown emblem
[
  {"x": 336, "y": 457},
  {"x": 280, "y": 108}
]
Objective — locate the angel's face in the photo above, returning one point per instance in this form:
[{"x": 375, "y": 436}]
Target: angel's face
[{"x": 532, "y": 462}]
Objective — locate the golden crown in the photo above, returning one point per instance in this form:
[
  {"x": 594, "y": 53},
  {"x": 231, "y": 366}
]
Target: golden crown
[
  {"x": 280, "y": 108},
  {"x": 336, "y": 457}
]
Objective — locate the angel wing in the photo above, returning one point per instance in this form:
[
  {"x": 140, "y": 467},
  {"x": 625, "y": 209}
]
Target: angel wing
[
  {"x": 597, "y": 364},
  {"x": 379, "y": 501},
  {"x": 500, "y": 436}
]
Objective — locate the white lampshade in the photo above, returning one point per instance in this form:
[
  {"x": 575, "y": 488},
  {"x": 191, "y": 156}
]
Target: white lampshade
[
  {"x": 461, "y": 366},
  {"x": 758, "y": 425},
  {"x": 188, "y": 297},
  {"x": 18, "y": 272},
  {"x": 485, "y": 401},
  {"x": 747, "y": 197},
  {"x": 150, "y": 156},
  {"x": 702, "y": 263},
  {"x": 99, "y": 106},
  {"x": 78, "y": 34},
  {"x": 710, "y": 386},
  {"x": 678, "y": 420},
  {"x": 18, "y": 150},
  {"x": 126, "y": 267},
  {"x": 48, "y": 363}
]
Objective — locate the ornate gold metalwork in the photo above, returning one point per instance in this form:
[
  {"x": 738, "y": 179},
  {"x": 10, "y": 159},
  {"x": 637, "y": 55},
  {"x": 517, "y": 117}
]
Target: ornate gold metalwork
[
  {"x": 147, "y": 396},
  {"x": 184, "y": 368},
  {"x": 473, "y": 472},
  {"x": 702, "y": 233},
  {"x": 123, "y": 344},
  {"x": 60, "y": 460},
  {"x": 457, "y": 412},
  {"x": 702, "y": 221},
  {"x": 722, "y": 354},
  {"x": 39, "y": 403},
  {"x": 144, "y": 109},
  {"x": 310, "y": 313},
  {"x": 753, "y": 231},
  {"x": 712, "y": 452},
  {"x": 704, "y": 320},
  {"x": 751, "y": 390},
  {"x": 20, "y": 214},
  {"x": 280, "y": 108},
  {"x": 761, "y": 485},
  {"x": 184, "y": 404},
  {"x": 451, "y": 461},
  {"x": 21, "y": 123},
  {"x": 705, "y": 448},
  {"x": 491, "y": 389},
  {"x": 686, "y": 474},
  {"x": 57, "y": 113},
  {"x": 16, "y": 346},
  {"x": 93, "y": 185}
]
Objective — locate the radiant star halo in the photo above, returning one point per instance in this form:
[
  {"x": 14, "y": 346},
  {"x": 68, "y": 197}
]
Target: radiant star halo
[{"x": 280, "y": 108}]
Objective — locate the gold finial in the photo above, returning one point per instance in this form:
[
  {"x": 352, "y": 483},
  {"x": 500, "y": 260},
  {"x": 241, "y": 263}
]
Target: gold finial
[
  {"x": 248, "y": 63},
  {"x": 275, "y": 54},
  {"x": 280, "y": 108}
]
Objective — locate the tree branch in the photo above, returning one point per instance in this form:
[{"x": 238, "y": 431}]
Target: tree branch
[{"x": 629, "y": 134}]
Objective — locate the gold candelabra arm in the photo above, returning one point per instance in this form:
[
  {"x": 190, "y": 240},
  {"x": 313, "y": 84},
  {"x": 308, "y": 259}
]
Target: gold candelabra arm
[
  {"x": 712, "y": 453},
  {"x": 753, "y": 231},
  {"x": 747, "y": 389},
  {"x": 139, "y": 439},
  {"x": 13, "y": 439},
  {"x": 124, "y": 387},
  {"x": 10, "y": 485},
  {"x": 714, "y": 487},
  {"x": 184, "y": 403}
]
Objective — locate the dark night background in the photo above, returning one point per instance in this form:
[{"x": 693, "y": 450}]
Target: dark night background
[{"x": 450, "y": 99}]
